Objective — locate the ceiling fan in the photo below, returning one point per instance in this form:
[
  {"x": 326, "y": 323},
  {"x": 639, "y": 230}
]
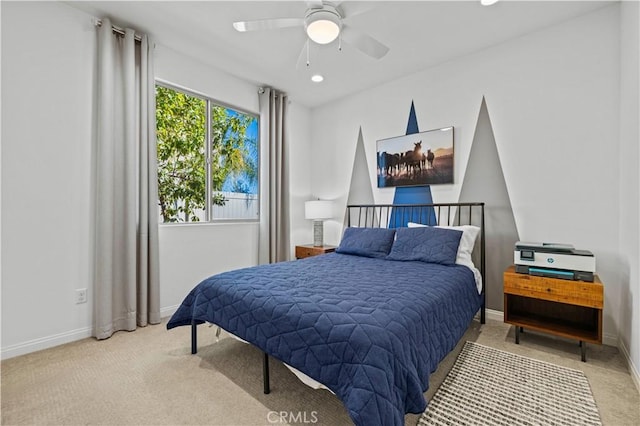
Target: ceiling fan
[{"x": 323, "y": 23}]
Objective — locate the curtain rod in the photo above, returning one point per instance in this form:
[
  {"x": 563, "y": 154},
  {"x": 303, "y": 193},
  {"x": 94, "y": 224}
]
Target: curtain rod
[
  {"x": 98, "y": 23},
  {"x": 261, "y": 90}
]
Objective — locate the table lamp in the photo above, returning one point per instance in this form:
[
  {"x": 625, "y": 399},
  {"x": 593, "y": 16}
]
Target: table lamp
[{"x": 318, "y": 211}]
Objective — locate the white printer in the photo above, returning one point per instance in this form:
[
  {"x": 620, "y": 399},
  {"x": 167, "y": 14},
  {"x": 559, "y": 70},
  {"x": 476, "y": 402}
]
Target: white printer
[{"x": 554, "y": 260}]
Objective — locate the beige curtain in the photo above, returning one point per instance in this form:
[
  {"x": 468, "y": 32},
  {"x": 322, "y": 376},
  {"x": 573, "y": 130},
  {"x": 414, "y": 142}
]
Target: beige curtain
[
  {"x": 274, "y": 178},
  {"x": 126, "y": 232}
]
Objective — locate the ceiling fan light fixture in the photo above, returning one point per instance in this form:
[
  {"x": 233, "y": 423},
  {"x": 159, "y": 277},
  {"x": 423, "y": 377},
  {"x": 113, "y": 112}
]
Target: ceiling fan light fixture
[{"x": 322, "y": 26}]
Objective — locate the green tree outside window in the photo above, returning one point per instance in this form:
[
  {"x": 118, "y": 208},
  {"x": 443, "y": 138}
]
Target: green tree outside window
[{"x": 182, "y": 154}]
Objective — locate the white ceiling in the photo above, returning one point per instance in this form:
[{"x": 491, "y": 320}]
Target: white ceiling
[{"x": 420, "y": 34}]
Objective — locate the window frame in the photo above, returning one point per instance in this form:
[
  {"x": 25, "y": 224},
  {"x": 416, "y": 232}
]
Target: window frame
[{"x": 209, "y": 102}]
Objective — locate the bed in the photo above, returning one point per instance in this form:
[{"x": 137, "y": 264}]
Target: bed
[{"x": 370, "y": 322}]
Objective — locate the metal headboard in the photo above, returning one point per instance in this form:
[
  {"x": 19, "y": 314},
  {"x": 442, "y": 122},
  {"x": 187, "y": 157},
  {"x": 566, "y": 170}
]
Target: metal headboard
[{"x": 447, "y": 214}]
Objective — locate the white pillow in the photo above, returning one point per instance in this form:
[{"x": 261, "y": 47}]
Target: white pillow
[{"x": 467, "y": 241}]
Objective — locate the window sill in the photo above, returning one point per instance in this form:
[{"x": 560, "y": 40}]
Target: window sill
[{"x": 216, "y": 223}]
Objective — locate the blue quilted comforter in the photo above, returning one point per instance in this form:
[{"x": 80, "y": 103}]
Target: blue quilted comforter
[{"x": 371, "y": 330}]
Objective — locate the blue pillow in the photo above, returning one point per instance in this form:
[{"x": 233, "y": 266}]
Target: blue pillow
[
  {"x": 428, "y": 244},
  {"x": 367, "y": 242}
]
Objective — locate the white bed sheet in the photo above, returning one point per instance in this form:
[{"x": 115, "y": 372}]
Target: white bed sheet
[{"x": 299, "y": 374}]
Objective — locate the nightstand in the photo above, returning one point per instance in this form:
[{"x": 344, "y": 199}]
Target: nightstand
[
  {"x": 571, "y": 309},
  {"x": 308, "y": 250}
]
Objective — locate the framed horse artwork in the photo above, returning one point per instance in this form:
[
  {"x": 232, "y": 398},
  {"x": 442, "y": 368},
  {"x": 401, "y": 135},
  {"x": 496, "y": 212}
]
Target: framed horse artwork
[{"x": 424, "y": 158}]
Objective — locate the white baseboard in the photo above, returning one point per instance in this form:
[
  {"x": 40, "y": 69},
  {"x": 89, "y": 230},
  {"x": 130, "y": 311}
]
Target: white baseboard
[
  {"x": 610, "y": 339},
  {"x": 168, "y": 311},
  {"x": 61, "y": 338},
  {"x": 633, "y": 369},
  {"x": 494, "y": 315},
  {"x": 45, "y": 343}
]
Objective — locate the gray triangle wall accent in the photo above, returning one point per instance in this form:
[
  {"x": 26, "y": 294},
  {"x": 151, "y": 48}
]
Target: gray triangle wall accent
[
  {"x": 360, "y": 190},
  {"x": 484, "y": 181}
]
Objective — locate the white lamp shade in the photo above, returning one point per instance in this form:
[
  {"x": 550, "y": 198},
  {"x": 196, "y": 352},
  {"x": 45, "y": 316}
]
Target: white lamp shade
[{"x": 318, "y": 209}]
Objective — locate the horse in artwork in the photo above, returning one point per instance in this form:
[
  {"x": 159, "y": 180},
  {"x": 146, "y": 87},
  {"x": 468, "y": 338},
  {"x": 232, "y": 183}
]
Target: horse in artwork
[
  {"x": 430, "y": 157},
  {"x": 388, "y": 163},
  {"x": 413, "y": 159}
]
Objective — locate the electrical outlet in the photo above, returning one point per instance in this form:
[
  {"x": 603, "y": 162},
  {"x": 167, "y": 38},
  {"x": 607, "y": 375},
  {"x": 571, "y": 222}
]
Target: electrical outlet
[{"x": 81, "y": 295}]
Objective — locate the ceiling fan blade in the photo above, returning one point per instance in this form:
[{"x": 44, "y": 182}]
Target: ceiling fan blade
[
  {"x": 353, "y": 8},
  {"x": 314, "y": 4},
  {"x": 268, "y": 24},
  {"x": 364, "y": 42}
]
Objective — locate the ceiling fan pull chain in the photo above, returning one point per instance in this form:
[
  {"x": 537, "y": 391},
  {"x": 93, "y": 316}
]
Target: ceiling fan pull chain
[
  {"x": 340, "y": 42},
  {"x": 307, "y": 43}
]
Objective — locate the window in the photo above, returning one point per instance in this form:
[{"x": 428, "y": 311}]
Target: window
[{"x": 207, "y": 159}]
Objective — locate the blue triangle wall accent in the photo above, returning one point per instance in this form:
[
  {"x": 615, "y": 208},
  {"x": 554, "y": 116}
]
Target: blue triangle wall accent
[
  {"x": 412, "y": 125},
  {"x": 413, "y": 194}
]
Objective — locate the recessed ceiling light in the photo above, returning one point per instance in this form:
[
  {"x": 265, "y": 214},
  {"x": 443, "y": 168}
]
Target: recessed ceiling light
[
  {"x": 317, "y": 78},
  {"x": 488, "y": 2}
]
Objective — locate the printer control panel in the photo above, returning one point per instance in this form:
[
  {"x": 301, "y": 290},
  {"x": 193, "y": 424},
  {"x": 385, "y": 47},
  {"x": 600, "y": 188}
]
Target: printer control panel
[{"x": 527, "y": 255}]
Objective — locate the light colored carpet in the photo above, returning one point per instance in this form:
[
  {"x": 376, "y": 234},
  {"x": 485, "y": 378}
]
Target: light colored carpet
[
  {"x": 149, "y": 377},
  {"x": 491, "y": 387}
]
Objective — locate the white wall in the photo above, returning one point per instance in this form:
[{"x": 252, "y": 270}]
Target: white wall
[
  {"x": 630, "y": 183},
  {"x": 47, "y": 94},
  {"x": 553, "y": 100},
  {"x": 48, "y": 75}
]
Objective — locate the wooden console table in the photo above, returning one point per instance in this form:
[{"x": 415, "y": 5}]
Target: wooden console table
[{"x": 571, "y": 309}]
